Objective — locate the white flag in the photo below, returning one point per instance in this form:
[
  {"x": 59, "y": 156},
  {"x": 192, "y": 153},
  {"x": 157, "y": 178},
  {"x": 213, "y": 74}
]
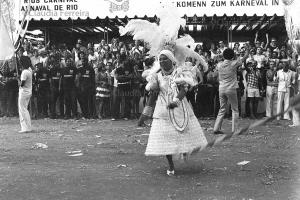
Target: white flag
[{"x": 6, "y": 46}]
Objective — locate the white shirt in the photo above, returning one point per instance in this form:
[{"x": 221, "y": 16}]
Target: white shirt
[
  {"x": 26, "y": 76},
  {"x": 112, "y": 74},
  {"x": 35, "y": 60},
  {"x": 284, "y": 80},
  {"x": 259, "y": 59}
]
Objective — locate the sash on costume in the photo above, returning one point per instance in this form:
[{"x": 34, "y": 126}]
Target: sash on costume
[{"x": 179, "y": 116}]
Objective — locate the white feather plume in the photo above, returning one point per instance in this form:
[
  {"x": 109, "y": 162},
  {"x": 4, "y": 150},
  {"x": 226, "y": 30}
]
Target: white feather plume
[
  {"x": 185, "y": 40},
  {"x": 156, "y": 36},
  {"x": 292, "y": 22},
  {"x": 170, "y": 21}
]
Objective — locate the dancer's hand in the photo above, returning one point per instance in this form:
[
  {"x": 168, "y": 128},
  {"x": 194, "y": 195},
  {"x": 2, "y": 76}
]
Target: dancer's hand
[{"x": 142, "y": 119}]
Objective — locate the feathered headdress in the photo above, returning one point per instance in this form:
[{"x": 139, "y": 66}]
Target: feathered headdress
[
  {"x": 164, "y": 36},
  {"x": 292, "y": 22}
]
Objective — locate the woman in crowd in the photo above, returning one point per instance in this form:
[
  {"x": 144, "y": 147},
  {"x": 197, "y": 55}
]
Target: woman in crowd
[{"x": 102, "y": 91}]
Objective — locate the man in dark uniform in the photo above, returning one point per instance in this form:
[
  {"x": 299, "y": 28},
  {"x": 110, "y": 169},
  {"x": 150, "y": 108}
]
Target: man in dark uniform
[
  {"x": 11, "y": 88},
  {"x": 55, "y": 91},
  {"x": 34, "y": 98},
  {"x": 124, "y": 75},
  {"x": 87, "y": 89},
  {"x": 42, "y": 78},
  {"x": 68, "y": 85},
  {"x": 3, "y": 95}
]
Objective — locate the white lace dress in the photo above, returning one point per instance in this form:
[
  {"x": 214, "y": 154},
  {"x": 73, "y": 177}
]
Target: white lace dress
[{"x": 173, "y": 131}]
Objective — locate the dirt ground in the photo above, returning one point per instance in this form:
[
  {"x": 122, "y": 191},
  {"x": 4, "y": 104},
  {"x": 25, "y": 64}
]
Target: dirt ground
[{"x": 94, "y": 160}]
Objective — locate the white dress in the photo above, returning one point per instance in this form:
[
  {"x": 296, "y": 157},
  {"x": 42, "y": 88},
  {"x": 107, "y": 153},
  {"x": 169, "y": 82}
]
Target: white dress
[{"x": 174, "y": 131}]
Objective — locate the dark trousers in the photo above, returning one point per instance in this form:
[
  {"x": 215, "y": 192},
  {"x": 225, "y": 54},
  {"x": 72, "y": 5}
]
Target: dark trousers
[
  {"x": 205, "y": 100},
  {"x": 56, "y": 95},
  {"x": 216, "y": 101},
  {"x": 2, "y": 98},
  {"x": 200, "y": 101},
  {"x": 43, "y": 101},
  {"x": 191, "y": 97},
  {"x": 247, "y": 107},
  {"x": 70, "y": 102},
  {"x": 121, "y": 95},
  {"x": 116, "y": 103},
  {"x": 85, "y": 99},
  {"x": 33, "y": 106},
  {"x": 9, "y": 102}
]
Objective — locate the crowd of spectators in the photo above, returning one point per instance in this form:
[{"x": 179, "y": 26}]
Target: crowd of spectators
[{"x": 105, "y": 80}]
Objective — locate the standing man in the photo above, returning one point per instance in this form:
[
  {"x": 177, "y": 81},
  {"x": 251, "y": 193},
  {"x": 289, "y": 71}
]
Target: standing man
[
  {"x": 124, "y": 75},
  {"x": 253, "y": 78},
  {"x": 285, "y": 80},
  {"x": 43, "y": 85},
  {"x": 11, "y": 88},
  {"x": 227, "y": 87},
  {"x": 68, "y": 85},
  {"x": 86, "y": 75},
  {"x": 55, "y": 90},
  {"x": 25, "y": 92},
  {"x": 272, "y": 88}
]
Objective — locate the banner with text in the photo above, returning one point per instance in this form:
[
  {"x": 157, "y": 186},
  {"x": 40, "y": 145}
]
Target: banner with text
[{"x": 83, "y": 9}]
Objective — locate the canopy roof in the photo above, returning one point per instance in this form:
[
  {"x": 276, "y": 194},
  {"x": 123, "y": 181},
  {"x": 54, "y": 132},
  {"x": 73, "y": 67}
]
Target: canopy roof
[{"x": 196, "y": 23}]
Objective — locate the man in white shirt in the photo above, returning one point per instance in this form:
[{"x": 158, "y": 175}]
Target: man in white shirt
[
  {"x": 285, "y": 79},
  {"x": 35, "y": 59},
  {"x": 260, "y": 58},
  {"x": 25, "y": 92}
]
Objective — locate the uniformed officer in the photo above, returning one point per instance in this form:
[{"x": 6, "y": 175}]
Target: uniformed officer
[
  {"x": 68, "y": 84},
  {"x": 87, "y": 89},
  {"x": 124, "y": 75},
  {"x": 43, "y": 84},
  {"x": 56, "y": 94},
  {"x": 11, "y": 88}
]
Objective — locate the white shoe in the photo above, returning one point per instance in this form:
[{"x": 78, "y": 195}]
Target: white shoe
[
  {"x": 170, "y": 173},
  {"x": 113, "y": 119}
]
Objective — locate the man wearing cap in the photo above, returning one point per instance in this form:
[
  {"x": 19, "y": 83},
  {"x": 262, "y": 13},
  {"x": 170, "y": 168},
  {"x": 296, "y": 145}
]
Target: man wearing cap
[{"x": 228, "y": 83}]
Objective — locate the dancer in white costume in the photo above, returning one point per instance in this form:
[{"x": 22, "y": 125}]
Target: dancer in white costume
[
  {"x": 25, "y": 92},
  {"x": 175, "y": 129}
]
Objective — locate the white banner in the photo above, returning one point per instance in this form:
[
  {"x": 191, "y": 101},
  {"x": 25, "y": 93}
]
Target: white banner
[{"x": 83, "y": 9}]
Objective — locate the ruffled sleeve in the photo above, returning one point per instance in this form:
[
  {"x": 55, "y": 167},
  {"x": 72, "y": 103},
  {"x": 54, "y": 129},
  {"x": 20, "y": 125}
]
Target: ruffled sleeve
[
  {"x": 185, "y": 77},
  {"x": 152, "y": 82}
]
